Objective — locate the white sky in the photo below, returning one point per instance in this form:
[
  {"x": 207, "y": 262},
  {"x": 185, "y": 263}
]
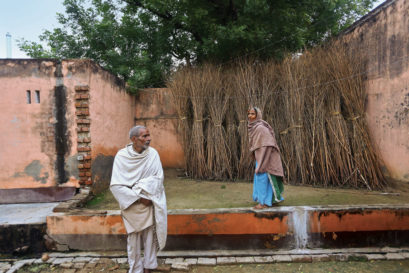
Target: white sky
[{"x": 29, "y": 18}]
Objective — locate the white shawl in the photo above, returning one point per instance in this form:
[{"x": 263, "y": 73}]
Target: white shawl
[{"x": 143, "y": 174}]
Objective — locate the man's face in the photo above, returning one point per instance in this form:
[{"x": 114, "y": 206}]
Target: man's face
[{"x": 141, "y": 142}]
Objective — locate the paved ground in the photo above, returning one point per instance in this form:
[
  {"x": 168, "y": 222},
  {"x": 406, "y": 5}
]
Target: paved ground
[
  {"x": 337, "y": 260},
  {"x": 16, "y": 214}
]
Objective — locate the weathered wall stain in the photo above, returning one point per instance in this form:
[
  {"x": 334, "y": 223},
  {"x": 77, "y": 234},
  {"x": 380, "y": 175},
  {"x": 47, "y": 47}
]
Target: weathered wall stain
[
  {"x": 34, "y": 170},
  {"x": 382, "y": 38},
  {"x": 61, "y": 131},
  {"x": 71, "y": 166}
]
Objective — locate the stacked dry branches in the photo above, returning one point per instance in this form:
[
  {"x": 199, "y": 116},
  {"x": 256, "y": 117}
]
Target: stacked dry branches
[{"x": 315, "y": 103}]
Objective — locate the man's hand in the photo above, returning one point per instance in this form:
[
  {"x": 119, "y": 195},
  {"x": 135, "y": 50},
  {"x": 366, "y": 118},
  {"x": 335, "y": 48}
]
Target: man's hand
[{"x": 146, "y": 202}]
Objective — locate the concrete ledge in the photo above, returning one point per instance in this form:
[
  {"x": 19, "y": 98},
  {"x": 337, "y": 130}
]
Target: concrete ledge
[
  {"x": 244, "y": 228},
  {"x": 36, "y": 195}
]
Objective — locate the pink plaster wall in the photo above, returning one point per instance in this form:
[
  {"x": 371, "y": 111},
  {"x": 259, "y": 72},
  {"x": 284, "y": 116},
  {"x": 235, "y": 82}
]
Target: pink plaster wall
[
  {"x": 155, "y": 111},
  {"x": 27, "y": 151},
  {"x": 112, "y": 112},
  {"x": 384, "y": 36}
]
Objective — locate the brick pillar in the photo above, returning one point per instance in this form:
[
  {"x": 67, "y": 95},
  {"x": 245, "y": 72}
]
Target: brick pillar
[{"x": 83, "y": 131}]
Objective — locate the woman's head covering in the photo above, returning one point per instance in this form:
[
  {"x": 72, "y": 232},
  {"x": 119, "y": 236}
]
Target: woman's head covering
[{"x": 260, "y": 133}]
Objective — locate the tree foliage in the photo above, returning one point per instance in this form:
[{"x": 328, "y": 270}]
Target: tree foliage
[{"x": 140, "y": 40}]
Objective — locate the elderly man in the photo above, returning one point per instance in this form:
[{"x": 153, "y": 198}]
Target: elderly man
[{"x": 137, "y": 185}]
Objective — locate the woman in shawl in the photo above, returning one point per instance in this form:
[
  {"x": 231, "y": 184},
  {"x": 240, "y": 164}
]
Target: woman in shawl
[{"x": 268, "y": 176}]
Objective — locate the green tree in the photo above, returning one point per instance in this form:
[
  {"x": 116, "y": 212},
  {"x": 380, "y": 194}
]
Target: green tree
[{"x": 140, "y": 40}]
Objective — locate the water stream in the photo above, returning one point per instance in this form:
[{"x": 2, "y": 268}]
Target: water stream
[{"x": 299, "y": 219}]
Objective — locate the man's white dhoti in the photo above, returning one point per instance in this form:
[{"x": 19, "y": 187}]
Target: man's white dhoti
[
  {"x": 136, "y": 263},
  {"x": 134, "y": 176}
]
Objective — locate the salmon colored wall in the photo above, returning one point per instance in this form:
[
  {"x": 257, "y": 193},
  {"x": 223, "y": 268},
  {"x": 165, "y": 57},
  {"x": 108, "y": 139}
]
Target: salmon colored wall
[
  {"x": 155, "y": 111},
  {"x": 28, "y": 155},
  {"x": 384, "y": 37},
  {"x": 370, "y": 220},
  {"x": 27, "y": 151},
  {"x": 178, "y": 224},
  {"x": 112, "y": 111},
  {"x": 196, "y": 223}
]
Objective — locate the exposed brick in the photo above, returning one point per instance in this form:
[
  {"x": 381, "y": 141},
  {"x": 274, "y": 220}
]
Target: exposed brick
[
  {"x": 84, "y": 129},
  {"x": 84, "y": 179},
  {"x": 87, "y": 165},
  {"x": 81, "y": 174},
  {"x": 84, "y": 149},
  {"x": 80, "y": 166},
  {"x": 81, "y": 88},
  {"x": 88, "y": 182},
  {"x": 86, "y": 140},
  {"x": 84, "y": 96},
  {"x": 77, "y": 96},
  {"x": 83, "y": 121},
  {"x": 88, "y": 174},
  {"x": 87, "y": 157},
  {"x": 80, "y": 140},
  {"x": 84, "y": 112}
]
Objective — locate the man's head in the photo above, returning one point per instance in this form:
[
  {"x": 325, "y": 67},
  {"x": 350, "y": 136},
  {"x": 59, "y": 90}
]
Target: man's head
[{"x": 140, "y": 138}]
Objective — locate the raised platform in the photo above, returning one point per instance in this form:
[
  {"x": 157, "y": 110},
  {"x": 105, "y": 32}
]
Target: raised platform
[{"x": 297, "y": 227}]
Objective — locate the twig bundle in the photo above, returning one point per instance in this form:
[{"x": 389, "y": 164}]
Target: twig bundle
[{"x": 315, "y": 104}]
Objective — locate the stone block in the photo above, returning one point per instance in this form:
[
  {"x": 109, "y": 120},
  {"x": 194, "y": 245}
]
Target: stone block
[
  {"x": 389, "y": 249},
  {"x": 191, "y": 261},
  {"x": 225, "y": 260},
  {"x": 58, "y": 261},
  {"x": 4, "y": 266},
  {"x": 206, "y": 261},
  {"x": 263, "y": 259},
  {"x": 339, "y": 257},
  {"x": 282, "y": 258},
  {"x": 82, "y": 259},
  {"x": 394, "y": 256},
  {"x": 245, "y": 260},
  {"x": 320, "y": 258},
  {"x": 173, "y": 260},
  {"x": 122, "y": 260},
  {"x": 301, "y": 258},
  {"x": 371, "y": 257},
  {"x": 180, "y": 266}
]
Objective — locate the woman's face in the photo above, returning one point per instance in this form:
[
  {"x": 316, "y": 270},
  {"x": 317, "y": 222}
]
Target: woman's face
[{"x": 251, "y": 115}]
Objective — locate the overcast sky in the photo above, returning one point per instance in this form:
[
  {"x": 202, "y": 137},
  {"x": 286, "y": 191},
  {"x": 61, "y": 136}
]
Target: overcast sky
[{"x": 28, "y": 19}]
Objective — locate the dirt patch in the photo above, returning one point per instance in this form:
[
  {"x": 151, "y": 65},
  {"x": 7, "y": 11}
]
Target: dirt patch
[{"x": 183, "y": 193}]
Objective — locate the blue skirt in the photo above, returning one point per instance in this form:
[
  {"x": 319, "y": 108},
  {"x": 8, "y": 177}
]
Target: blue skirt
[{"x": 267, "y": 188}]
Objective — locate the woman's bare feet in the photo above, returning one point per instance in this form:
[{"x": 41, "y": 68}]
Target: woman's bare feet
[{"x": 260, "y": 206}]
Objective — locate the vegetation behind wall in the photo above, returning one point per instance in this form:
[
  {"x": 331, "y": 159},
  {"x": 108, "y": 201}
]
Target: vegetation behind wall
[{"x": 315, "y": 103}]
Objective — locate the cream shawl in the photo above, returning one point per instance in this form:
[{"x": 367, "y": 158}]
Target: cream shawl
[{"x": 143, "y": 175}]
